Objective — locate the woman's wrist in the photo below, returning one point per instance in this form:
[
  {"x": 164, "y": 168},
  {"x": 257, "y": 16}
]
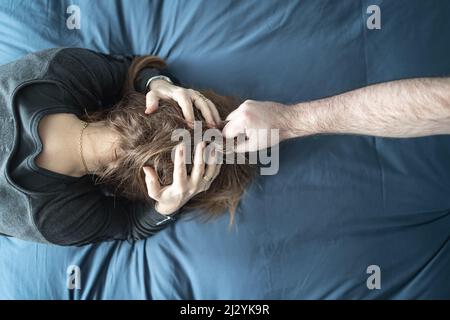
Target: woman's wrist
[
  {"x": 164, "y": 211},
  {"x": 165, "y": 218},
  {"x": 156, "y": 81}
]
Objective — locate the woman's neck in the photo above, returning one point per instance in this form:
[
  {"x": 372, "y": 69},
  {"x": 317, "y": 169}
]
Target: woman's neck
[{"x": 99, "y": 144}]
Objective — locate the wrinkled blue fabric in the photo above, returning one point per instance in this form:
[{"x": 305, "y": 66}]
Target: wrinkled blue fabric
[{"x": 338, "y": 204}]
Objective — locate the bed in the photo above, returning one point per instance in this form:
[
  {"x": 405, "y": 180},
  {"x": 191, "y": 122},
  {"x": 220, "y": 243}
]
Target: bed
[{"x": 339, "y": 204}]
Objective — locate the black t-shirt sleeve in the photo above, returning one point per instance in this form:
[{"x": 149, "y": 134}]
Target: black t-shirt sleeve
[
  {"x": 95, "y": 79},
  {"x": 84, "y": 214},
  {"x": 147, "y": 73}
]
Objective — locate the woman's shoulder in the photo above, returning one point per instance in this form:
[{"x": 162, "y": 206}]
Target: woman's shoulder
[
  {"x": 38, "y": 65},
  {"x": 30, "y": 65}
]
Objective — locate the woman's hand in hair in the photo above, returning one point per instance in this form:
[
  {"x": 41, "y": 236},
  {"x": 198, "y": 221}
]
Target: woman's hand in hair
[
  {"x": 171, "y": 198},
  {"x": 186, "y": 99}
]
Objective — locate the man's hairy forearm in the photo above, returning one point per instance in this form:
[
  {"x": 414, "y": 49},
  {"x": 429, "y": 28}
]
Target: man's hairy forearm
[{"x": 403, "y": 108}]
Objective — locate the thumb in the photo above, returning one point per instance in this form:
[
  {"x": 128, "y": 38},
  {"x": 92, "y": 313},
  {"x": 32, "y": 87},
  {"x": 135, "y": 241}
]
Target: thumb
[
  {"x": 152, "y": 182},
  {"x": 233, "y": 115},
  {"x": 151, "y": 102},
  {"x": 232, "y": 129}
]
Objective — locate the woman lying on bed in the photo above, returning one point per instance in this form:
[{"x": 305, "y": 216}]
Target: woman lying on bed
[{"x": 86, "y": 151}]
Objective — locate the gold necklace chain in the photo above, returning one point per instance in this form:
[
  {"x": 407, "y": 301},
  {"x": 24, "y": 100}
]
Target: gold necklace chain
[{"x": 85, "y": 124}]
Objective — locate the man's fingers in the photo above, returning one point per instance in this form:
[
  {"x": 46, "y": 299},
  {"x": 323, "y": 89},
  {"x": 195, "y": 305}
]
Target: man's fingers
[
  {"x": 152, "y": 182},
  {"x": 199, "y": 165},
  {"x": 233, "y": 128},
  {"x": 244, "y": 146},
  {"x": 234, "y": 114},
  {"x": 151, "y": 102},
  {"x": 179, "y": 171}
]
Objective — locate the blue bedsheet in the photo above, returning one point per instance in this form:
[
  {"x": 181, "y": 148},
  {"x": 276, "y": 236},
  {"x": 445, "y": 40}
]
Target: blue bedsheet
[{"x": 338, "y": 204}]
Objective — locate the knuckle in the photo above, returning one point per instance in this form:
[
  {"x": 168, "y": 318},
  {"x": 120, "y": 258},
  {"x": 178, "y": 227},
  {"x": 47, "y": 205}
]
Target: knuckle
[
  {"x": 184, "y": 97},
  {"x": 245, "y": 108},
  {"x": 246, "y": 114},
  {"x": 182, "y": 192},
  {"x": 178, "y": 184},
  {"x": 181, "y": 93},
  {"x": 193, "y": 190}
]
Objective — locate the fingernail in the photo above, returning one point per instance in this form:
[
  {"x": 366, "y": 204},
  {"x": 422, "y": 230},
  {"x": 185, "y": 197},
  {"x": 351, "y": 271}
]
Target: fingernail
[{"x": 181, "y": 149}]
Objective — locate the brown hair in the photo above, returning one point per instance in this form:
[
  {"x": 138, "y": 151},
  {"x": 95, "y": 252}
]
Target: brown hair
[{"x": 145, "y": 140}]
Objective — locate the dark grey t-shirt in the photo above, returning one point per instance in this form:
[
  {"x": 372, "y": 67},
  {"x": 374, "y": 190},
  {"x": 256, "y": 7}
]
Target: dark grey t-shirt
[{"x": 62, "y": 209}]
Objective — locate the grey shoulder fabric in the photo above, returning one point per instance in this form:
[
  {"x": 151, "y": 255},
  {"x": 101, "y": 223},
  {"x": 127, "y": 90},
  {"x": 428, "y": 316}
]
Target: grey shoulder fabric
[{"x": 15, "y": 218}]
